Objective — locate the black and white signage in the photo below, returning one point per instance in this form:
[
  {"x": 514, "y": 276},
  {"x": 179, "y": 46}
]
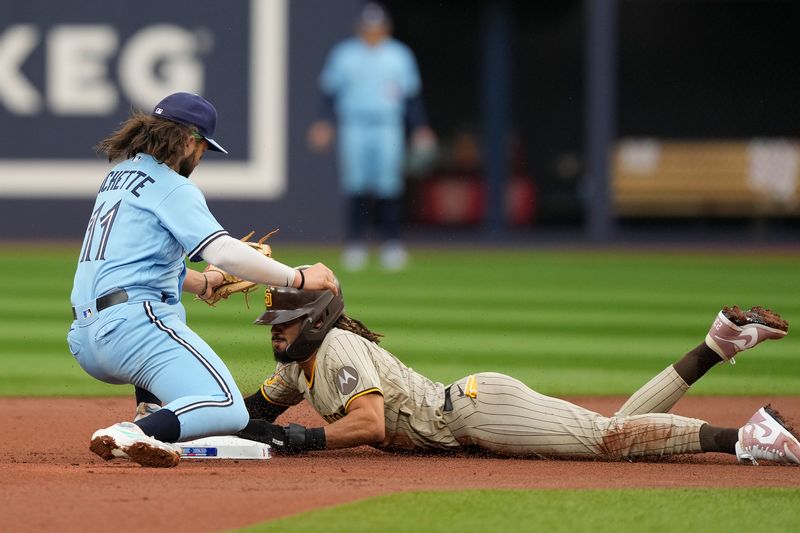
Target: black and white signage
[{"x": 70, "y": 72}]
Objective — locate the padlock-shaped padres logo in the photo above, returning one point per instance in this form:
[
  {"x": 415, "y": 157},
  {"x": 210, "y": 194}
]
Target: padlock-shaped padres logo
[{"x": 268, "y": 298}]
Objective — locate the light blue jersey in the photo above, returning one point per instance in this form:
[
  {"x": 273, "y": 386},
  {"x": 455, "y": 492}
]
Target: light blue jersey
[
  {"x": 370, "y": 82},
  {"x": 146, "y": 218},
  {"x": 370, "y": 86}
]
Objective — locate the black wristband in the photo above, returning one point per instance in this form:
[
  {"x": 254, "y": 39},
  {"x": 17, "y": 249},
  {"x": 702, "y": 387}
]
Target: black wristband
[
  {"x": 315, "y": 439},
  {"x": 301, "y": 438},
  {"x": 302, "y": 280}
]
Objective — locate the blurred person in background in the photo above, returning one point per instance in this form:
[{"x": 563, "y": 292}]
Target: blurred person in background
[{"x": 370, "y": 86}]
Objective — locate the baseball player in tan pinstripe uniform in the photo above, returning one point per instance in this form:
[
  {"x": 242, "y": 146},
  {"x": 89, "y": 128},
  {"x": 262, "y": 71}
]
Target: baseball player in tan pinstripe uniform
[{"x": 368, "y": 396}]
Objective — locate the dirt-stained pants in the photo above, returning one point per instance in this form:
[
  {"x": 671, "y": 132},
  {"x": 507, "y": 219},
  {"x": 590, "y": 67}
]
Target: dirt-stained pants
[{"x": 503, "y": 415}]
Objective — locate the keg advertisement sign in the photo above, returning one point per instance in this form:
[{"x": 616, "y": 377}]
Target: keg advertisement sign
[{"x": 71, "y": 72}]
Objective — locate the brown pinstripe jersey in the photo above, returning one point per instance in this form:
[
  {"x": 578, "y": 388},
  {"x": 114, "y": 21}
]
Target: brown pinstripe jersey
[{"x": 348, "y": 366}]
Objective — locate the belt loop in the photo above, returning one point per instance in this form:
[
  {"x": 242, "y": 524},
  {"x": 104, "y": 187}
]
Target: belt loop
[{"x": 448, "y": 403}]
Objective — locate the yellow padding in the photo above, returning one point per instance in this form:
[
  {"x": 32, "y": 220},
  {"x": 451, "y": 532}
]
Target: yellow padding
[
  {"x": 360, "y": 394},
  {"x": 471, "y": 388}
]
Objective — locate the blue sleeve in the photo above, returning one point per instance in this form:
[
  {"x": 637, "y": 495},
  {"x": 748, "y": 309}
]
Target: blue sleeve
[
  {"x": 185, "y": 214},
  {"x": 411, "y": 78},
  {"x": 330, "y": 79}
]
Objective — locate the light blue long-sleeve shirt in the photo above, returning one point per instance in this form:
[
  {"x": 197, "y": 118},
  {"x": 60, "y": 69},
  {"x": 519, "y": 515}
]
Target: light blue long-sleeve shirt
[{"x": 370, "y": 82}]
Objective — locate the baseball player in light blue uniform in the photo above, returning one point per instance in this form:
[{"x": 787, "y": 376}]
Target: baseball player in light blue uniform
[
  {"x": 129, "y": 324},
  {"x": 372, "y": 84}
]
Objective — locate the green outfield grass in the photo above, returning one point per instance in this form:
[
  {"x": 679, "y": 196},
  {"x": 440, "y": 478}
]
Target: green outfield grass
[
  {"x": 564, "y": 322},
  {"x": 557, "y": 511}
]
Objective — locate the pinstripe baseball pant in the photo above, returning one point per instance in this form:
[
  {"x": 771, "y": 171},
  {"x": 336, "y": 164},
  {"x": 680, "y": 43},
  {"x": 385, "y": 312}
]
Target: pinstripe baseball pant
[{"x": 501, "y": 414}]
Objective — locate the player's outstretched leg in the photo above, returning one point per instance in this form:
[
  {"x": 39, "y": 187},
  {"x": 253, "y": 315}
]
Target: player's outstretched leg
[
  {"x": 735, "y": 330},
  {"x": 126, "y": 439},
  {"x": 732, "y": 331}
]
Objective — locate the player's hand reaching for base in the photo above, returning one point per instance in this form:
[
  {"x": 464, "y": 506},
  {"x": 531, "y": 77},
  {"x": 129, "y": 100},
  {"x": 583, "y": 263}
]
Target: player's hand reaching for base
[
  {"x": 316, "y": 277},
  {"x": 290, "y": 439}
]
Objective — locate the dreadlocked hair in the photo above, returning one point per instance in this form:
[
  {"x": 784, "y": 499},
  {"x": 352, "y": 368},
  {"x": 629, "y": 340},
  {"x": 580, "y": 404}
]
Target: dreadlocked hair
[
  {"x": 356, "y": 326},
  {"x": 163, "y": 139}
]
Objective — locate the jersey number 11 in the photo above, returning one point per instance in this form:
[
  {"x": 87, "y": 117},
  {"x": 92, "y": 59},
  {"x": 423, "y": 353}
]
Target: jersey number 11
[{"x": 106, "y": 221}]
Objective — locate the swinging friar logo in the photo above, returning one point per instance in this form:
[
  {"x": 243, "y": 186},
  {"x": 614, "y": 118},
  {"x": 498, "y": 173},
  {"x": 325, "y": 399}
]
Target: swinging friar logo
[{"x": 346, "y": 380}]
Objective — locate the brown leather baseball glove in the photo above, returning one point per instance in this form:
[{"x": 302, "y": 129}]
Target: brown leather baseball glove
[{"x": 233, "y": 284}]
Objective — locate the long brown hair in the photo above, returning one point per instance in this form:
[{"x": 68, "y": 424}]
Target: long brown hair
[
  {"x": 356, "y": 326},
  {"x": 163, "y": 139}
]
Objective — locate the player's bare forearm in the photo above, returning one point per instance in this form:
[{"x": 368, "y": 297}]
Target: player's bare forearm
[
  {"x": 194, "y": 282},
  {"x": 201, "y": 283},
  {"x": 363, "y": 424}
]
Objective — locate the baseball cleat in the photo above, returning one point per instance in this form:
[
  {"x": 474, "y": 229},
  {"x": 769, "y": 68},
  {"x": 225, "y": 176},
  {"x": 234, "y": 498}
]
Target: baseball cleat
[
  {"x": 145, "y": 409},
  {"x": 735, "y": 330},
  {"x": 767, "y": 437},
  {"x": 126, "y": 439}
]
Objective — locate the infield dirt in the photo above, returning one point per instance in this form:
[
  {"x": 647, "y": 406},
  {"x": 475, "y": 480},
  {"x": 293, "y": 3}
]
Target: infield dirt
[{"x": 52, "y": 482}]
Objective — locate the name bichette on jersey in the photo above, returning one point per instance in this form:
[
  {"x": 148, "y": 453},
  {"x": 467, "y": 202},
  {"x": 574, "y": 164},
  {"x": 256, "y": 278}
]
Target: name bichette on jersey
[{"x": 130, "y": 180}]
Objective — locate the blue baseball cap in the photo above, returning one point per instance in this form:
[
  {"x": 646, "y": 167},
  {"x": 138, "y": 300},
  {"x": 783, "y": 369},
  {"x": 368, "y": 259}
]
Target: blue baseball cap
[{"x": 191, "y": 110}]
